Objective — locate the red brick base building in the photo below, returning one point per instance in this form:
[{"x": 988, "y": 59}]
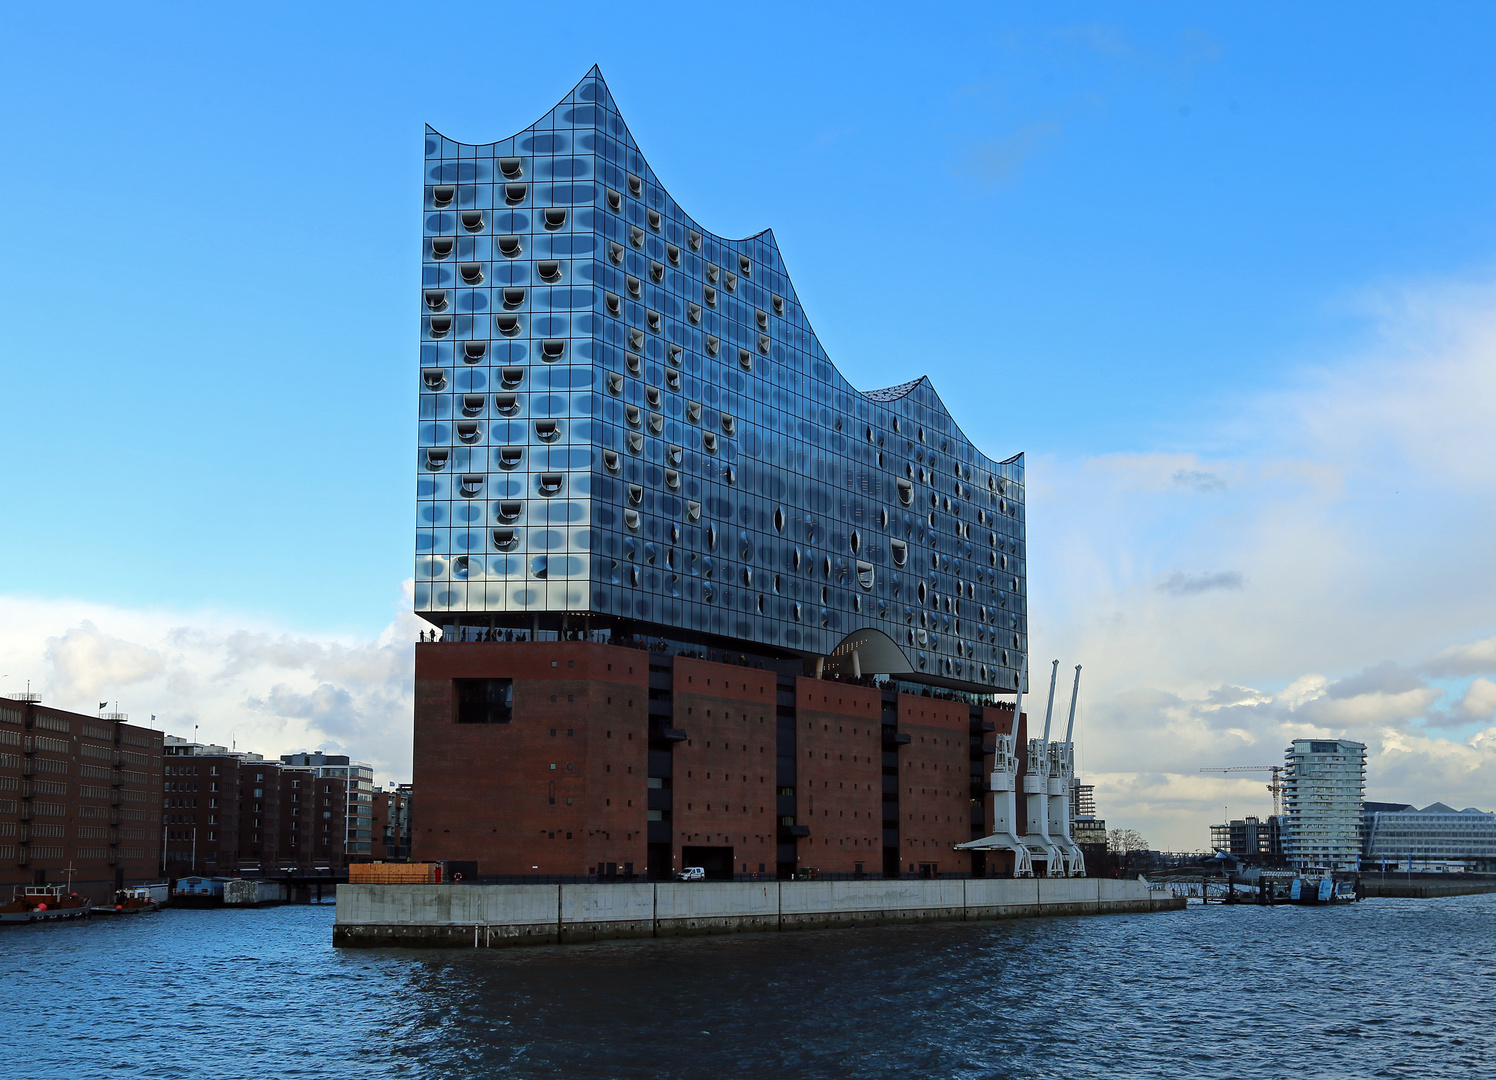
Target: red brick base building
[{"x": 572, "y": 759}]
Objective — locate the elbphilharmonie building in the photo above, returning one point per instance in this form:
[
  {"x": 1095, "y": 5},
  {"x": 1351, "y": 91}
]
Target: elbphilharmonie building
[{"x": 630, "y": 436}]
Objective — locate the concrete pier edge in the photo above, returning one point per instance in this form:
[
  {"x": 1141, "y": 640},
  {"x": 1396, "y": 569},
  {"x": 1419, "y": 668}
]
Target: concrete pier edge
[{"x": 491, "y": 916}]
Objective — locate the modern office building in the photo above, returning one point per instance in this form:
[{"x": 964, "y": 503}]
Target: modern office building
[
  {"x": 1249, "y": 838},
  {"x": 1323, "y": 787},
  {"x": 1399, "y": 836},
  {"x": 358, "y": 780},
  {"x": 699, "y": 600},
  {"x": 80, "y": 799}
]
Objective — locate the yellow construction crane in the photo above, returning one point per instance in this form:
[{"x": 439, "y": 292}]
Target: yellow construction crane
[{"x": 1274, "y": 786}]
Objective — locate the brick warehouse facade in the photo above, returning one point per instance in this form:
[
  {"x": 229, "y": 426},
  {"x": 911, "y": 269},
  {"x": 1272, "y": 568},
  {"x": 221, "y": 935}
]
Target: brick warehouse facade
[
  {"x": 604, "y": 760},
  {"x": 80, "y": 792}
]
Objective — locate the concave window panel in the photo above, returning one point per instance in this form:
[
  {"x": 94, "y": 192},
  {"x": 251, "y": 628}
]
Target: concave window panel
[
  {"x": 549, "y": 270},
  {"x": 782, "y": 415},
  {"x": 472, "y": 220},
  {"x": 473, "y": 351},
  {"x": 550, "y": 483},
  {"x": 443, "y": 194},
  {"x": 511, "y": 377},
  {"x": 510, "y": 457},
  {"x": 506, "y": 539},
  {"x": 471, "y": 486},
  {"x": 547, "y": 430},
  {"x": 436, "y": 457},
  {"x": 436, "y": 299},
  {"x": 512, "y": 167},
  {"x": 507, "y": 324},
  {"x": 510, "y": 511},
  {"x": 552, "y": 349}
]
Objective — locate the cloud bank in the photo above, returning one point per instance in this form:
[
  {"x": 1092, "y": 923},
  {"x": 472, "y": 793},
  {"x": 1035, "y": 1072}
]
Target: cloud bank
[
  {"x": 263, "y": 688},
  {"x": 1362, "y": 597}
]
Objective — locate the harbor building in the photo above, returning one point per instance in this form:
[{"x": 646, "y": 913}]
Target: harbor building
[
  {"x": 1399, "y": 836},
  {"x": 391, "y": 823},
  {"x": 80, "y": 799},
  {"x": 1323, "y": 785},
  {"x": 231, "y": 812},
  {"x": 695, "y": 599},
  {"x": 1249, "y": 838},
  {"x": 358, "y": 780}
]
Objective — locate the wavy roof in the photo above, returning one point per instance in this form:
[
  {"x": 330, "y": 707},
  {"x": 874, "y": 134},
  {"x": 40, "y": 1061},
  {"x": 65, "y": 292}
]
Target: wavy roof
[{"x": 591, "y": 104}]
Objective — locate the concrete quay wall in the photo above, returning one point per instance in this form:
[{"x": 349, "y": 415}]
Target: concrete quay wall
[{"x": 471, "y": 916}]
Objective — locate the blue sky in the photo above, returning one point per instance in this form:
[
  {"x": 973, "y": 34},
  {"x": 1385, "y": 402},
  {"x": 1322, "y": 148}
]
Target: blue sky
[{"x": 1126, "y": 239}]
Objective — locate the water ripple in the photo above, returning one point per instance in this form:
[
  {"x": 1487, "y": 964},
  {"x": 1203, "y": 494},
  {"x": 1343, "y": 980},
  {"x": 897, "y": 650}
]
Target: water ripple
[{"x": 1387, "y": 988}]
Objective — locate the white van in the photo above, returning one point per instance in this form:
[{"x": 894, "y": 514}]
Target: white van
[{"x": 692, "y": 873}]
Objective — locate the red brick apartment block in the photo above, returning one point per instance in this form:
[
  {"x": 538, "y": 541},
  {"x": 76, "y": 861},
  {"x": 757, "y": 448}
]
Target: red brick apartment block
[{"x": 80, "y": 798}]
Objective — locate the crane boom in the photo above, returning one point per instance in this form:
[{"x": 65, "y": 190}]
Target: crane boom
[{"x": 1274, "y": 785}]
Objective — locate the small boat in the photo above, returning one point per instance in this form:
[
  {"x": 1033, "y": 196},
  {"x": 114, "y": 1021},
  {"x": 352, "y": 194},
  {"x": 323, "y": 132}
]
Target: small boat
[
  {"x": 135, "y": 901},
  {"x": 44, "y": 903}
]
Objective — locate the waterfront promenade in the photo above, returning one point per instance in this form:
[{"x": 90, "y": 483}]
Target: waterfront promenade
[{"x": 501, "y": 915}]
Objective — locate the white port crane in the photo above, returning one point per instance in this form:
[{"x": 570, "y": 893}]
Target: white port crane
[
  {"x": 1061, "y": 779},
  {"x": 1003, "y": 782}
]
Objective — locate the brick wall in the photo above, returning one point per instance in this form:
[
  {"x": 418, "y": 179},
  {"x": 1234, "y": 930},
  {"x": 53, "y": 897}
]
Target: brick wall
[
  {"x": 839, "y": 775},
  {"x": 559, "y": 789}
]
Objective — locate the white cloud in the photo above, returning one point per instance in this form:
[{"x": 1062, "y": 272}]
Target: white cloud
[
  {"x": 1356, "y": 521},
  {"x": 267, "y": 689}
]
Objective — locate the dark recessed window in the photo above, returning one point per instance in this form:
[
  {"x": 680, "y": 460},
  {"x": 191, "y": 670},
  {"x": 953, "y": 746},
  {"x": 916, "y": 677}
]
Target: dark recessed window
[
  {"x": 514, "y": 194},
  {"x": 636, "y": 186},
  {"x": 472, "y": 273},
  {"x": 615, "y": 200},
  {"x": 511, "y": 167},
  {"x": 485, "y": 701},
  {"x": 473, "y": 351},
  {"x": 513, "y": 298},
  {"x": 510, "y": 246},
  {"x": 555, "y": 217},
  {"x": 512, "y": 376},
  {"x": 472, "y": 220},
  {"x": 443, "y": 194},
  {"x": 441, "y": 246}
]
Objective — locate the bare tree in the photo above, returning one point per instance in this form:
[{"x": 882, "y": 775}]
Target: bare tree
[{"x": 1124, "y": 840}]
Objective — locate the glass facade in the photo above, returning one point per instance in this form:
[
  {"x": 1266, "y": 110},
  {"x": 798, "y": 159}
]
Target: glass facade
[{"x": 627, "y": 425}]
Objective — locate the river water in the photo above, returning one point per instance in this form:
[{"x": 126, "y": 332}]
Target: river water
[{"x": 1384, "y": 988}]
